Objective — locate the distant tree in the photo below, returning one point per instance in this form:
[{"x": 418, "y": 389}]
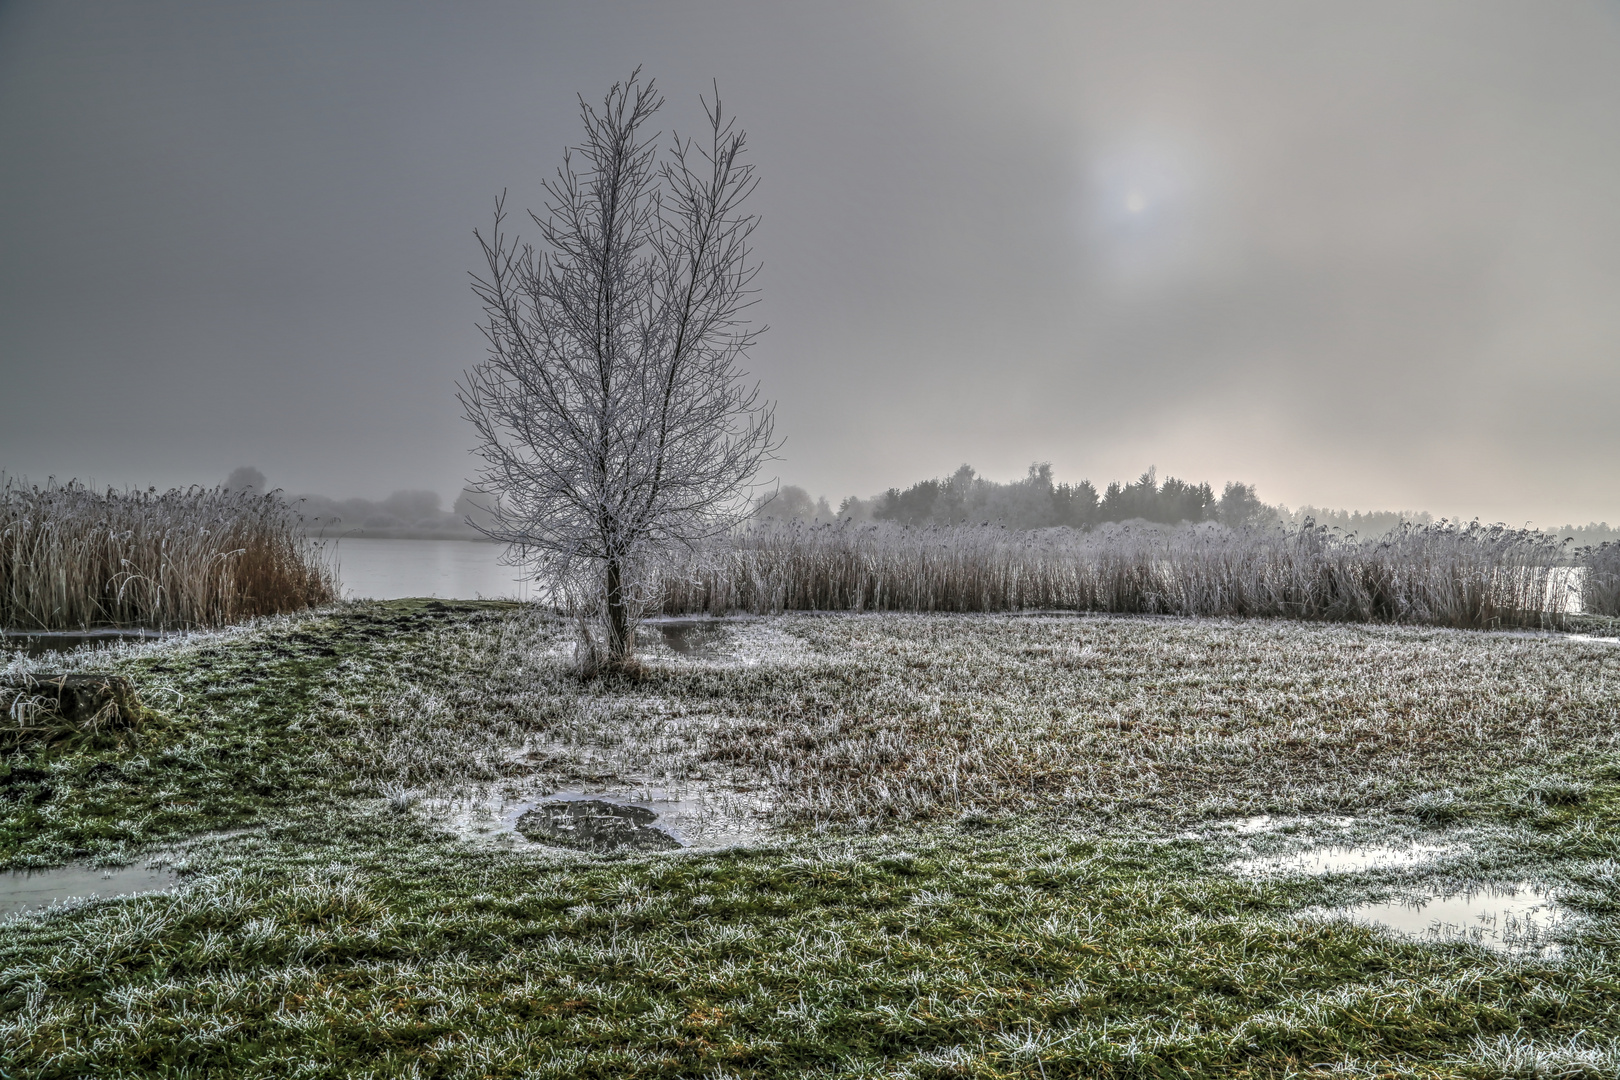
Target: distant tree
[
  {"x": 852, "y": 508},
  {"x": 1240, "y": 507},
  {"x": 1180, "y": 501},
  {"x": 469, "y": 508},
  {"x": 1075, "y": 505},
  {"x": 245, "y": 478},
  {"x": 913, "y": 506},
  {"x": 791, "y": 503},
  {"x": 1170, "y": 503},
  {"x": 413, "y": 506},
  {"x": 1023, "y": 504},
  {"x": 612, "y": 415},
  {"x": 1129, "y": 501}
]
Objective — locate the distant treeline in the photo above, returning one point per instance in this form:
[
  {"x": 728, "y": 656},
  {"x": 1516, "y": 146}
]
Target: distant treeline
[
  {"x": 404, "y": 515},
  {"x": 1036, "y": 502},
  {"x": 1593, "y": 534}
]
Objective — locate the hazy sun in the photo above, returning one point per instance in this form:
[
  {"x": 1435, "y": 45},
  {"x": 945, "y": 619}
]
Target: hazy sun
[{"x": 1135, "y": 202}]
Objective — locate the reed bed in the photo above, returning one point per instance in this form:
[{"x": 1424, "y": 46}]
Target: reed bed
[
  {"x": 73, "y": 558},
  {"x": 1600, "y": 584},
  {"x": 1467, "y": 576}
]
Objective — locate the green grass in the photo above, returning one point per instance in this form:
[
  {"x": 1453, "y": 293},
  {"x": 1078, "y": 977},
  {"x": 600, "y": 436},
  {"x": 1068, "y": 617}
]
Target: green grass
[{"x": 1063, "y": 910}]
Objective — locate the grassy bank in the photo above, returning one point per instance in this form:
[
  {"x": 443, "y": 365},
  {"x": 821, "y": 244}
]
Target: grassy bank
[{"x": 996, "y": 847}]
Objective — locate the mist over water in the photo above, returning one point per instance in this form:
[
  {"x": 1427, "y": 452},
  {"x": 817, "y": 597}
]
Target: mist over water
[{"x": 445, "y": 569}]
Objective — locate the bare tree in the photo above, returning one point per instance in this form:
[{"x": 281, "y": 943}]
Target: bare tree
[{"x": 613, "y": 416}]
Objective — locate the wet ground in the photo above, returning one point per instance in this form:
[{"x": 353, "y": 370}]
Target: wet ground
[
  {"x": 31, "y": 890},
  {"x": 1511, "y": 917},
  {"x": 39, "y": 643},
  {"x": 1516, "y": 916},
  {"x": 1345, "y": 859},
  {"x": 694, "y": 638},
  {"x": 595, "y": 825},
  {"x": 693, "y": 818}
]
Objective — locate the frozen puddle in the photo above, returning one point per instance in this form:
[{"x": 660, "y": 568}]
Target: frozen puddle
[
  {"x": 1344, "y": 860},
  {"x": 602, "y": 822},
  {"x": 595, "y": 825},
  {"x": 30, "y": 890},
  {"x": 1505, "y": 918}
]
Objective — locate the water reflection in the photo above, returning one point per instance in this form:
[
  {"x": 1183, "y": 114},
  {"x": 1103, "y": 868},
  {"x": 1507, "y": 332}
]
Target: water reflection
[
  {"x": 1516, "y": 917},
  {"x": 31, "y": 890},
  {"x": 447, "y": 569},
  {"x": 595, "y": 825},
  {"x": 688, "y": 638}
]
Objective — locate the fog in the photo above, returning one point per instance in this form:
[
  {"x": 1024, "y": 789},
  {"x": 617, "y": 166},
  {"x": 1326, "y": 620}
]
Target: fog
[{"x": 1357, "y": 254}]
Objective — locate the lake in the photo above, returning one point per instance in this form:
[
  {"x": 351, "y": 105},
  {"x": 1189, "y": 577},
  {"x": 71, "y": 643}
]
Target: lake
[{"x": 447, "y": 569}]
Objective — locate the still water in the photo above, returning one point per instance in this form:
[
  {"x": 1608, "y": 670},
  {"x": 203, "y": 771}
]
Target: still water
[
  {"x": 29, "y": 890},
  {"x": 447, "y": 569}
]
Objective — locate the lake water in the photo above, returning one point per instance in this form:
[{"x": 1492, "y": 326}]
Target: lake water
[{"x": 447, "y": 569}]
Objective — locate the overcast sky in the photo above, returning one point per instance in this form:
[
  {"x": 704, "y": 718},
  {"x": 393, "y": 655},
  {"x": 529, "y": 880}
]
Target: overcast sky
[{"x": 1359, "y": 254}]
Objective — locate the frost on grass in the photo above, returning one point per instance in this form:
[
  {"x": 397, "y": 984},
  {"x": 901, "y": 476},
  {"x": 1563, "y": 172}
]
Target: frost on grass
[
  {"x": 883, "y": 718},
  {"x": 349, "y": 939},
  {"x": 909, "y": 717},
  {"x": 920, "y": 716}
]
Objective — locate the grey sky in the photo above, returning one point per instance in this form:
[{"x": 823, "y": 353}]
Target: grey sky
[{"x": 1360, "y": 254}]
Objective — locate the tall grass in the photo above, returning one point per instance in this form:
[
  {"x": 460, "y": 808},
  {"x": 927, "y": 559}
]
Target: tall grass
[
  {"x": 73, "y": 558},
  {"x": 1448, "y": 575},
  {"x": 1600, "y": 584}
]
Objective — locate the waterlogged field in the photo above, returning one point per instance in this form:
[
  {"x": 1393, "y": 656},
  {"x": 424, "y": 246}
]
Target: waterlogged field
[{"x": 986, "y": 846}]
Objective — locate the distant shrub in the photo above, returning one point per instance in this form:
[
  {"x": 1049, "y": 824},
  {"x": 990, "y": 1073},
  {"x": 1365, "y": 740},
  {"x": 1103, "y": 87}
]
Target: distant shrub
[
  {"x": 1600, "y": 584},
  {"x": 1448, "y": 575},
  {"x": 71, "y": 557}
]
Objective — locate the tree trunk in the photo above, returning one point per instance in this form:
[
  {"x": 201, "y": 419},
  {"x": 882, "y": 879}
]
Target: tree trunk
[{"x": 620, "y": 643}]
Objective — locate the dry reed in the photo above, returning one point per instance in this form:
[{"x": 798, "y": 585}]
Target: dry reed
[
  {"x": 74, "y": 558},
  {"x": 1600, "y": 584},
  {"x": 1471, "y": 576}
]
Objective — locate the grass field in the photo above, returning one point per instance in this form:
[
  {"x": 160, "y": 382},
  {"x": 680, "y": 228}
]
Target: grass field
[{"x": 985, "y": 846}]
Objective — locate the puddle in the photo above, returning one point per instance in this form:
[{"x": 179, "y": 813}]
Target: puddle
[
  {"x": 1598, "y": 640},
  {"x": 33, "y": 890},
  {"x": 690, "y": 639},
  {"x": 1516, "y": 917},
  {"x": 595, "y": 825},
  {"x": 39, "y": 643},
  {"x": 1338, "y": 859},
  {"x": 701, "y": 820},
  {"x": 30, "y": 890}
]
